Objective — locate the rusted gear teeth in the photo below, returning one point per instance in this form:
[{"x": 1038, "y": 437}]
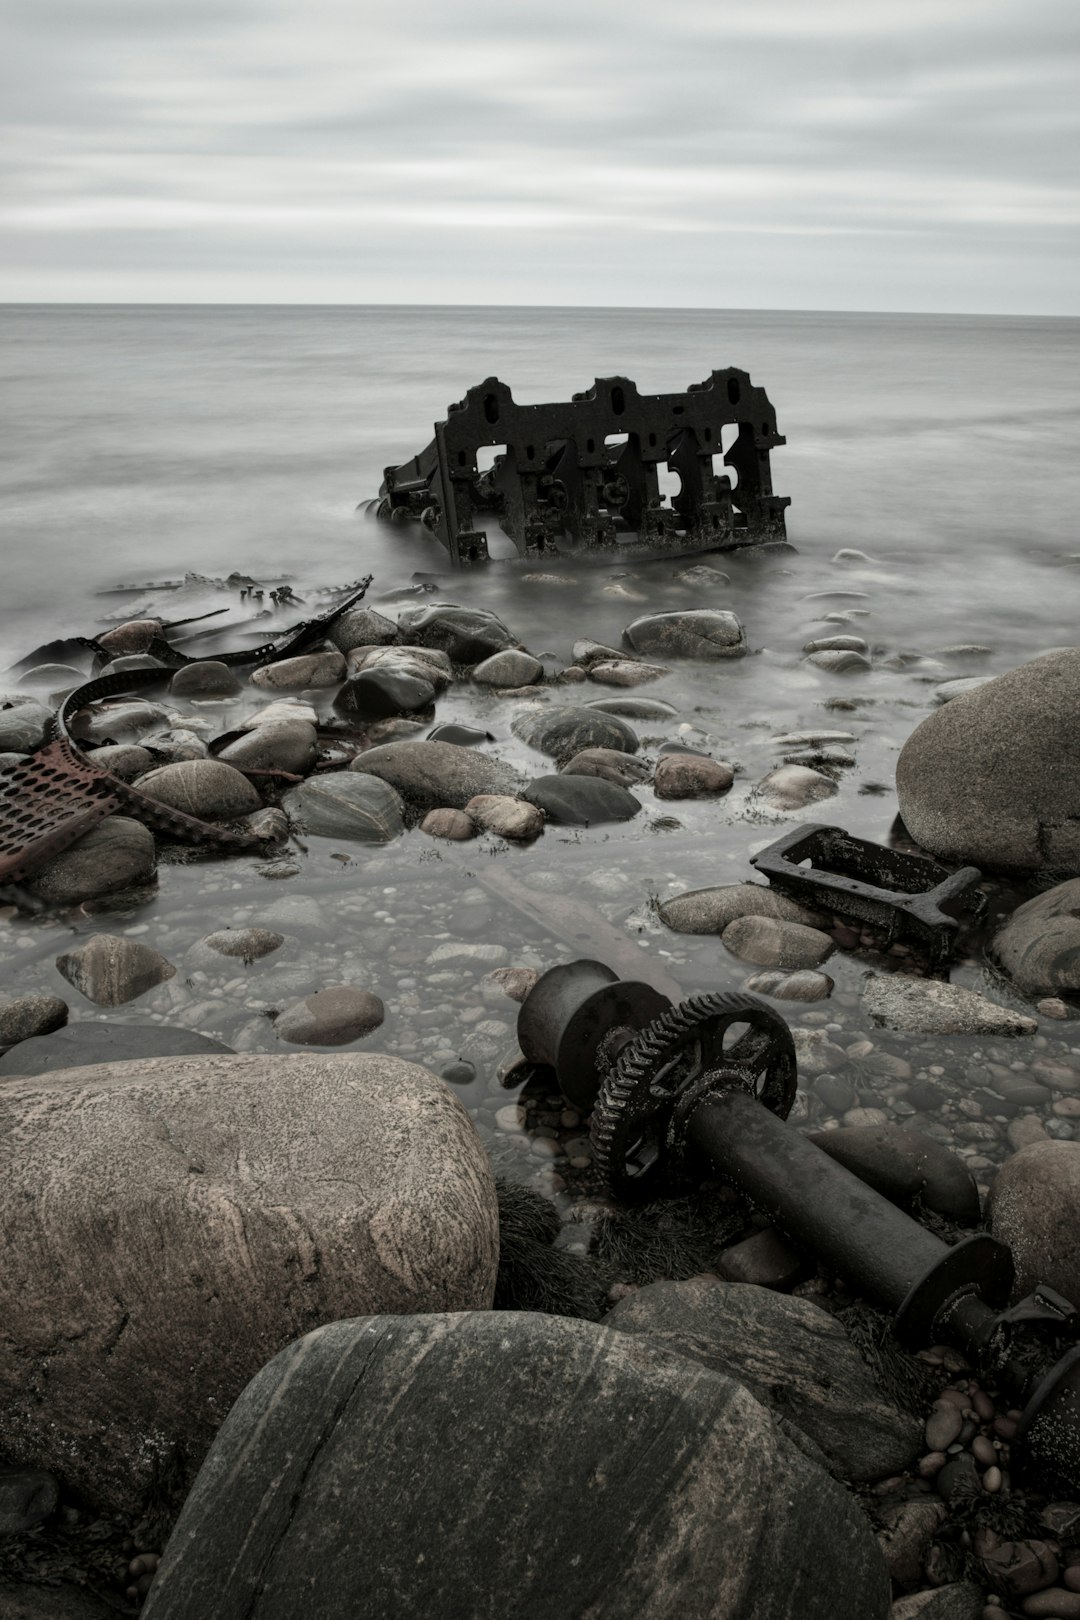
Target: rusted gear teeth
[{"x": 638, "y": 1122}]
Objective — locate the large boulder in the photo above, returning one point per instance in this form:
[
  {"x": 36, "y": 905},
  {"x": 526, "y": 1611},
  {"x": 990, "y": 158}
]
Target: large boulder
[
  {"x": 208, "y": 789},
  {"x": 467, "y": 635},
  {"x": 509, "y": 1464},
  {"x": 171, "y": 1224},
  {"x": 78, "y": 1045},
  {"x": 789, "y": 1353},
  {"x": 994, "y": 776},
  {"x": 1035, "y": 1208},
  {"x": 118, "y": 853},
  {"x": 431, "y": 775},
  {"x": 1039, "y": 945},
  {"x": 932, "y": 1007}
]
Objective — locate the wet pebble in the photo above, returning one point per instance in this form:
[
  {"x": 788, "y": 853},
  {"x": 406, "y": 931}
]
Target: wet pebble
[
  {"x": 942, "y": 1427},
  {"x": 453, "y": 825}
]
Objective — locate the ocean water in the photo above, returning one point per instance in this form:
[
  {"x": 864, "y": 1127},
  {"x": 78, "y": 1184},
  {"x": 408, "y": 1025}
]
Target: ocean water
[{"x": 144, "y": 444}]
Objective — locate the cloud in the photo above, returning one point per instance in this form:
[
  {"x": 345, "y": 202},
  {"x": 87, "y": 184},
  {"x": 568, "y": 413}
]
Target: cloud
[{"x": 713, "y": 153}]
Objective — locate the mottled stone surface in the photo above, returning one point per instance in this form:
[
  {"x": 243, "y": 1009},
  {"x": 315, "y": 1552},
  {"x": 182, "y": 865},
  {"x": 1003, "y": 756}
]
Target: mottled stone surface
[
  {"x": 22, "y": 1017},
  {"x": 510, "y": 668},
  {"x": 249, "y": 944},
  {"x": 379, "y": 693},
  {"x": 506, "y": 816},
  {"x": 86, "y": 1042},
  {"x": 456, "y": 825},
  {"x": 431, "y": 775},
  {"x": 1035, "y": 1208},
  {"x": 691, "y": 776},
  {"x": 695, "y": 633},
  {"x": 931, "y": 1007},
  {"x": 562, "y": 731},
  {"x": 709, "y": 911},
  {"x": 467, "y": 635},
  {"x": 361, "y": 627},
  {"x": 341, "y": 804},
  {"x": 993, "y": 777},
  {"x": 336, "y": 1016},
  {"x": 544, "y": 1467},
  {"x": 774, "y": 942},
  {"x": 206, "y": 679},
  {"x": 302, "y": 674},
  {"x": 802, "y": 986},
  {"x": 209, "y": 789},
  {"x": 248, "y": 1197},
  {"x": 110, "y": 969},
  {"x": 626, "y": 770},
  {"x": 1039, "y": 945},
  {"x": 793, "y": 787},
  {"x": 279, "y": 745},
  {"x": 23, "y": 727}
]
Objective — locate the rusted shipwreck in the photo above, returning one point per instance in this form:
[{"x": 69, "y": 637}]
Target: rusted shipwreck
[{"x": 585, "y": 476}]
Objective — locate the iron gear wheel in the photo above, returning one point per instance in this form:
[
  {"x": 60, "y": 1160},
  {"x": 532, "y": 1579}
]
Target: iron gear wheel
[{"x": 708, "y": 1044}]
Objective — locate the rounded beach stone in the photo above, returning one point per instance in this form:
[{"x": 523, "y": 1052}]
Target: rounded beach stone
[
  {"x": 709, "y": 911},
  {"x": 426, "y": 663},
  {"x": 306, "y": 673},
  {"x": 280, "y": 745},
  {"x": 28, "y": 1496},
  {"x": 134, "y": 636},
  {"x": 791, "y": 787},
  {"x": 624, "y": 769},
  {"x": 1039, "y": 945},
  {"x": 509, "y": 668},
  {"x": 380, "y": 693},
  {"x": 691, "y": 776},
  {"x": 633, "y": 707},
  {"x": 837, "y": 661},
  {"x": 23, "y": 727},
  {"x": 125, "y": 760},
  {"x": 624, "y": 672},
  {"x": 247, "y": 1198},
  {"x": 994, "y": 776},
  {"x": 506, "y": 816},
  {"x": 446, "y": 823},
  {"x": 466, "y": 635},
  {"x": 343, "y": 805},
  {"x": 430, "y": 775},
  {"x": 362, "y": 627},
  {"x": 22, "y": 1017},
  {"x": 120, "y": 722},
  {"x": 771, "y": 942},
  {"x": 249, "y": 944},
  {"x": 332, "y": 1017},
  {"x": 206, "y": 679},
  {"x": 208, "y": 789},
  {"x": 837, "y": 644},
  {"x": 696, "y": 633},
  {"x": 110, "y": 969},
  {"x": 117, "y": 854},
  {"x": 581, "y": 801},
  {"x": 802, "y": 986},
  {"x": 1034, "y": 1207},
  {"x": 728, "y": 1518},
  {"x": 790, "y": 1354},
  {"x": 564, "y": 730}
]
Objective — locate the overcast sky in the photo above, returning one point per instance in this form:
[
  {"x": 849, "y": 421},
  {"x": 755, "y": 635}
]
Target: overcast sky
[{"x": 821, "y": 154}]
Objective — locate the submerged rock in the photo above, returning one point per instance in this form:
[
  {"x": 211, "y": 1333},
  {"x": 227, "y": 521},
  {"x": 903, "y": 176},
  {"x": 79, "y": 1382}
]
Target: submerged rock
[
  {"x": 234, "y": 1223},
  {"x": 111, "y": 969},
  {"x": 467, "y": 635},
  {"x": 709, "y": 911},
  {"x": 994, "y": 776},
  {"x": 565, "y": 730},
  {"x": 802, "y": 986},
  {"x": 343, "y": 805},
  {"x": 695, "y": 633},
  {"x": 691, "y": 776},
  {"x": 117, "y": 854},
  {"x": 792, "y": 787},
  {"x": 929, "y": 1007},
  {"x": 608, "y": 763},
  {"x": 336, "y": 1016},
  {"x": 548, "y": 1417},
  {"x": 581, "y": 801}
]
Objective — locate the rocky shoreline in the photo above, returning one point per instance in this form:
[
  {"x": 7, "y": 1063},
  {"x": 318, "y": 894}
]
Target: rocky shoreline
[{"x": 438, "y": 732}]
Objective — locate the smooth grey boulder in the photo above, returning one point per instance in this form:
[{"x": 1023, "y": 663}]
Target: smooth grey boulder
[
  {"x": 776, "y": 943},
  {"x": 905, "y": 1166},
  {"x": 379, "y": 693},
  {"x": 931, "y": 1007},
  {"x": 691, "y": 776},
  {"x": 115, "y": 854},
  {"x": 791, "y": 1355},
  {"x": 305, "y": 673},
  {"x": 23, "y": 1017},
  {"x": 792, "y": 787},
  {"x": 709, "y": 911},
  {"x": 427, "y": 663},
  {"x": 336, "y": 1016},
  {"x": 124, "y": 720},
  {"x": 206, "y": 679},
  {"x": 580, "y": 801},
  {"x": 209, "y": 789},
  {"x": 467, "y": 635},
  {"x": 626, "y": 770},
  {"x": 565, "y": 730},
  {"x": 133, "y": 636},
  {"x": 434, "y": 775},
  {"x": 362, "y": 627},
  {"x": 110, "y": 969},
  {"x": 78, "y": 1045},
  {"x": 125, "y": 760},
  {"x": 343, "y": 805},
  {"x": 510, "y": 668},
  {"x": 694, "y": 633},
  {"x": 838, "y": 661},
  {"x": 994, "y": 776},
  {"x": 1039, "y": 945},
  {"x": 175, "y": 743},
  {"x": 172, "y": 1224},
  {"x": 280, "y": 745},
  {"x": 1034, "y": 1207},
  {"x": 509, "y": 1464},
  {"x": 24, "y": 726}
]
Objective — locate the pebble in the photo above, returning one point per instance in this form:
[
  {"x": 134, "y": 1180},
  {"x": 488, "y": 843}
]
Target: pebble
[
  {"x": 1053, "y": 1603},
  {"x": 942, "y": 1427},
  {"x": 983, "y": 1451},
  {"x": 992, "y": 1480}
]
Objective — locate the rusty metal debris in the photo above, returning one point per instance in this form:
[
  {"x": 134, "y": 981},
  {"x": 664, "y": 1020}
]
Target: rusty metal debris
[
  {"x": 56, "y": 795},
  {"x": 907, "y": 897},
  {"x": 703, "y": 1089},
  {"x": 584, "y": 475}
]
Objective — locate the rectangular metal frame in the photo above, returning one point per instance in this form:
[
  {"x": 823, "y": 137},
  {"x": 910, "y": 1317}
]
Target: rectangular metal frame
[{"x": 562, "y": 486}]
